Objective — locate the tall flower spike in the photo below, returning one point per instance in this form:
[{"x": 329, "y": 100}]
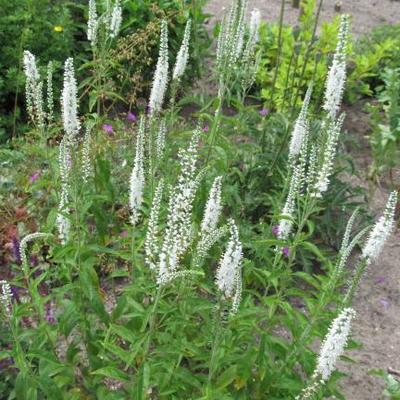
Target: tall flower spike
[
  {"x": 381, "y": 231},
  {"x": 331, "y": 349},
  {"x": 151, "y": 243},
  {"x": 137, "y": 175},
  {"x": 6, "y": 298},
  {"x": 337, "y": 73},
  {"x": 178, "y": 232},
  {"x": 322, "y": 180},
  {"x": 300, "y": 130},
  {"x": 286, "y": 224},
  {"x": 160, "y": 141},
  {"x": 160, "y": 80},
  {"x": 213, "y": 208},
  {"x": 69, "y": 101},
  {"x": 255, "y": 20},
  {"x": 50, "y": 96},
  {"x": 229, "y": 272},
  {"x": 24, "y": 244},
  {"x": 238, "y": 37},
  {"x": 115, "y": 20},
  {"x": 87, "y": 168},
  {"x": 231, "y": 36},
  {"x": 334, "y": 344},
  {"x": 183, "y": 54},
  {"x": 34, "y": 89},
  {"x": 32, "y": 78},
  {"x": 63, "y": 224},
  {"x": 92, "y": 23}
]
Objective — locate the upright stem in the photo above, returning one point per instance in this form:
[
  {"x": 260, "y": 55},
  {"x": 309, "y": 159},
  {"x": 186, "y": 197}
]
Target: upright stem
[
  {"x": 278, "y": 58},
  {"x": 215, "y": 345},
  {"x": 214, "y": 129},
  {"x": 287, "y": 77},
  {"x": 355, "y": 282},
  {"x": 152, "y": 322},
  {"x": 307, "y": 55}
]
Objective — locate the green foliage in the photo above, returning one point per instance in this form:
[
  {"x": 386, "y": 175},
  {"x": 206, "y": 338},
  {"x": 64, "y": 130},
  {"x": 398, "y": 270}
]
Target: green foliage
[
  {"x": 58, "y": 30},
  {"x": 32, "y": 25},
  {"x": 303, "y": 58},
  {"x": 89, "y": 319},
  {"x": 392, "y": 384},
  {"x": 372, "y": 54},
  {"x": 385, "y": 122}
]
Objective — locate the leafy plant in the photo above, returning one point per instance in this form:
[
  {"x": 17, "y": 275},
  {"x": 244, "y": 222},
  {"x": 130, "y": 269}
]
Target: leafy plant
[
  {"x": 385, "y": 121},
  {"x": 181, "y": 257}
]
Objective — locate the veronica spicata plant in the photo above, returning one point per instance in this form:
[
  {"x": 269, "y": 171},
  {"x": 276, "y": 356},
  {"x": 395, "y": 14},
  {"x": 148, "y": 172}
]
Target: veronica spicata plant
[{"x": 151, "y": 289}]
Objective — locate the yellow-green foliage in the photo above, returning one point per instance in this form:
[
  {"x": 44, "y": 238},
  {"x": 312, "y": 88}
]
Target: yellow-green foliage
[{"x": 292, "y": 81}]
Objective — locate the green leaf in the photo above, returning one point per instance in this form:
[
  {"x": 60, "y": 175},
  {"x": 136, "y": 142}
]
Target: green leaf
[
  {"x": 313, "y": 249},
  {"x": 227, "y": 377},
  {"x": 111, "y": 372}
]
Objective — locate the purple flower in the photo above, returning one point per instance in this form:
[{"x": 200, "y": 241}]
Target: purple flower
[
  {"x": 15, "y": 292},
  {"x": 124, "y": 233},
  {"x": 286, "y": 252},
  {"x": 50, "y": 317},
  {"x": 384, "y": 303},
  {"x": 131, "y": 117},
  {"x": 34, "y": 177},
  {"x": 380, "y": 280},
  {"x": 6, "y": 363},
  {"x": 34, "y": 260},
  {"x": 16, "y": 250},
  {"x": 275, "y": 230},
  {"x": 264, "y": 112},
  {"x": 206, "y": 128},
  {"x": 108, "y": 129}
]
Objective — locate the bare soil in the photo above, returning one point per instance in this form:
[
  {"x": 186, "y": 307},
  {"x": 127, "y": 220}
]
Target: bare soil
[
  {"x": 377, "y": 326},
  {"x": 365, "y": 14}
]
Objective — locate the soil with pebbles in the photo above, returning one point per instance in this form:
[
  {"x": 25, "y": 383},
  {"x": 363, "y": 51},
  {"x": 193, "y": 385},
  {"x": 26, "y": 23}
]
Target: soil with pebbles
[
  {"x": 365, "y": 14},
  {"x": 377, "y": 326}
]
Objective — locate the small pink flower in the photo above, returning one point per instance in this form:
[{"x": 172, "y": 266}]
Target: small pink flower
[
  {"x": 286, "y": 252},
  {"x": 380, "y": 280},
  {"x": 264, "y": 112},
  {"x": 34, "y": 177},
  {"x": 131, "y": 117},
  {"x": 275, "y": 230},
  {"x": 108, "y": 129},
  {"x": 124, "y": 233},
  {"x": 206, "y": 128}
]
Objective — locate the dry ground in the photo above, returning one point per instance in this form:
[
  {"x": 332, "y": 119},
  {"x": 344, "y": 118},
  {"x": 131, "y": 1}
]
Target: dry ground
[{"x": 365, "y": 13}]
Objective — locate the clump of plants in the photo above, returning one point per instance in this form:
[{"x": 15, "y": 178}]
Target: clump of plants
[
  {"x": 385, "y": 121},
  {"x": 143, "y": 281}
]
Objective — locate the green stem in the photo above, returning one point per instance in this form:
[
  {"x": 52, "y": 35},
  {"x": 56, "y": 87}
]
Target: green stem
[
  {"x": 355, "y": 282},
  {"x": 278, "y": 57},
  {"x": 307, "y": 55},
  {"x": 214, "y": 350}
]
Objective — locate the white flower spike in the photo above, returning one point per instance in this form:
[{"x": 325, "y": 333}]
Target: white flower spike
[
  {"x": 183, "y": 54},
  {"x": 160, "y": 80}
]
